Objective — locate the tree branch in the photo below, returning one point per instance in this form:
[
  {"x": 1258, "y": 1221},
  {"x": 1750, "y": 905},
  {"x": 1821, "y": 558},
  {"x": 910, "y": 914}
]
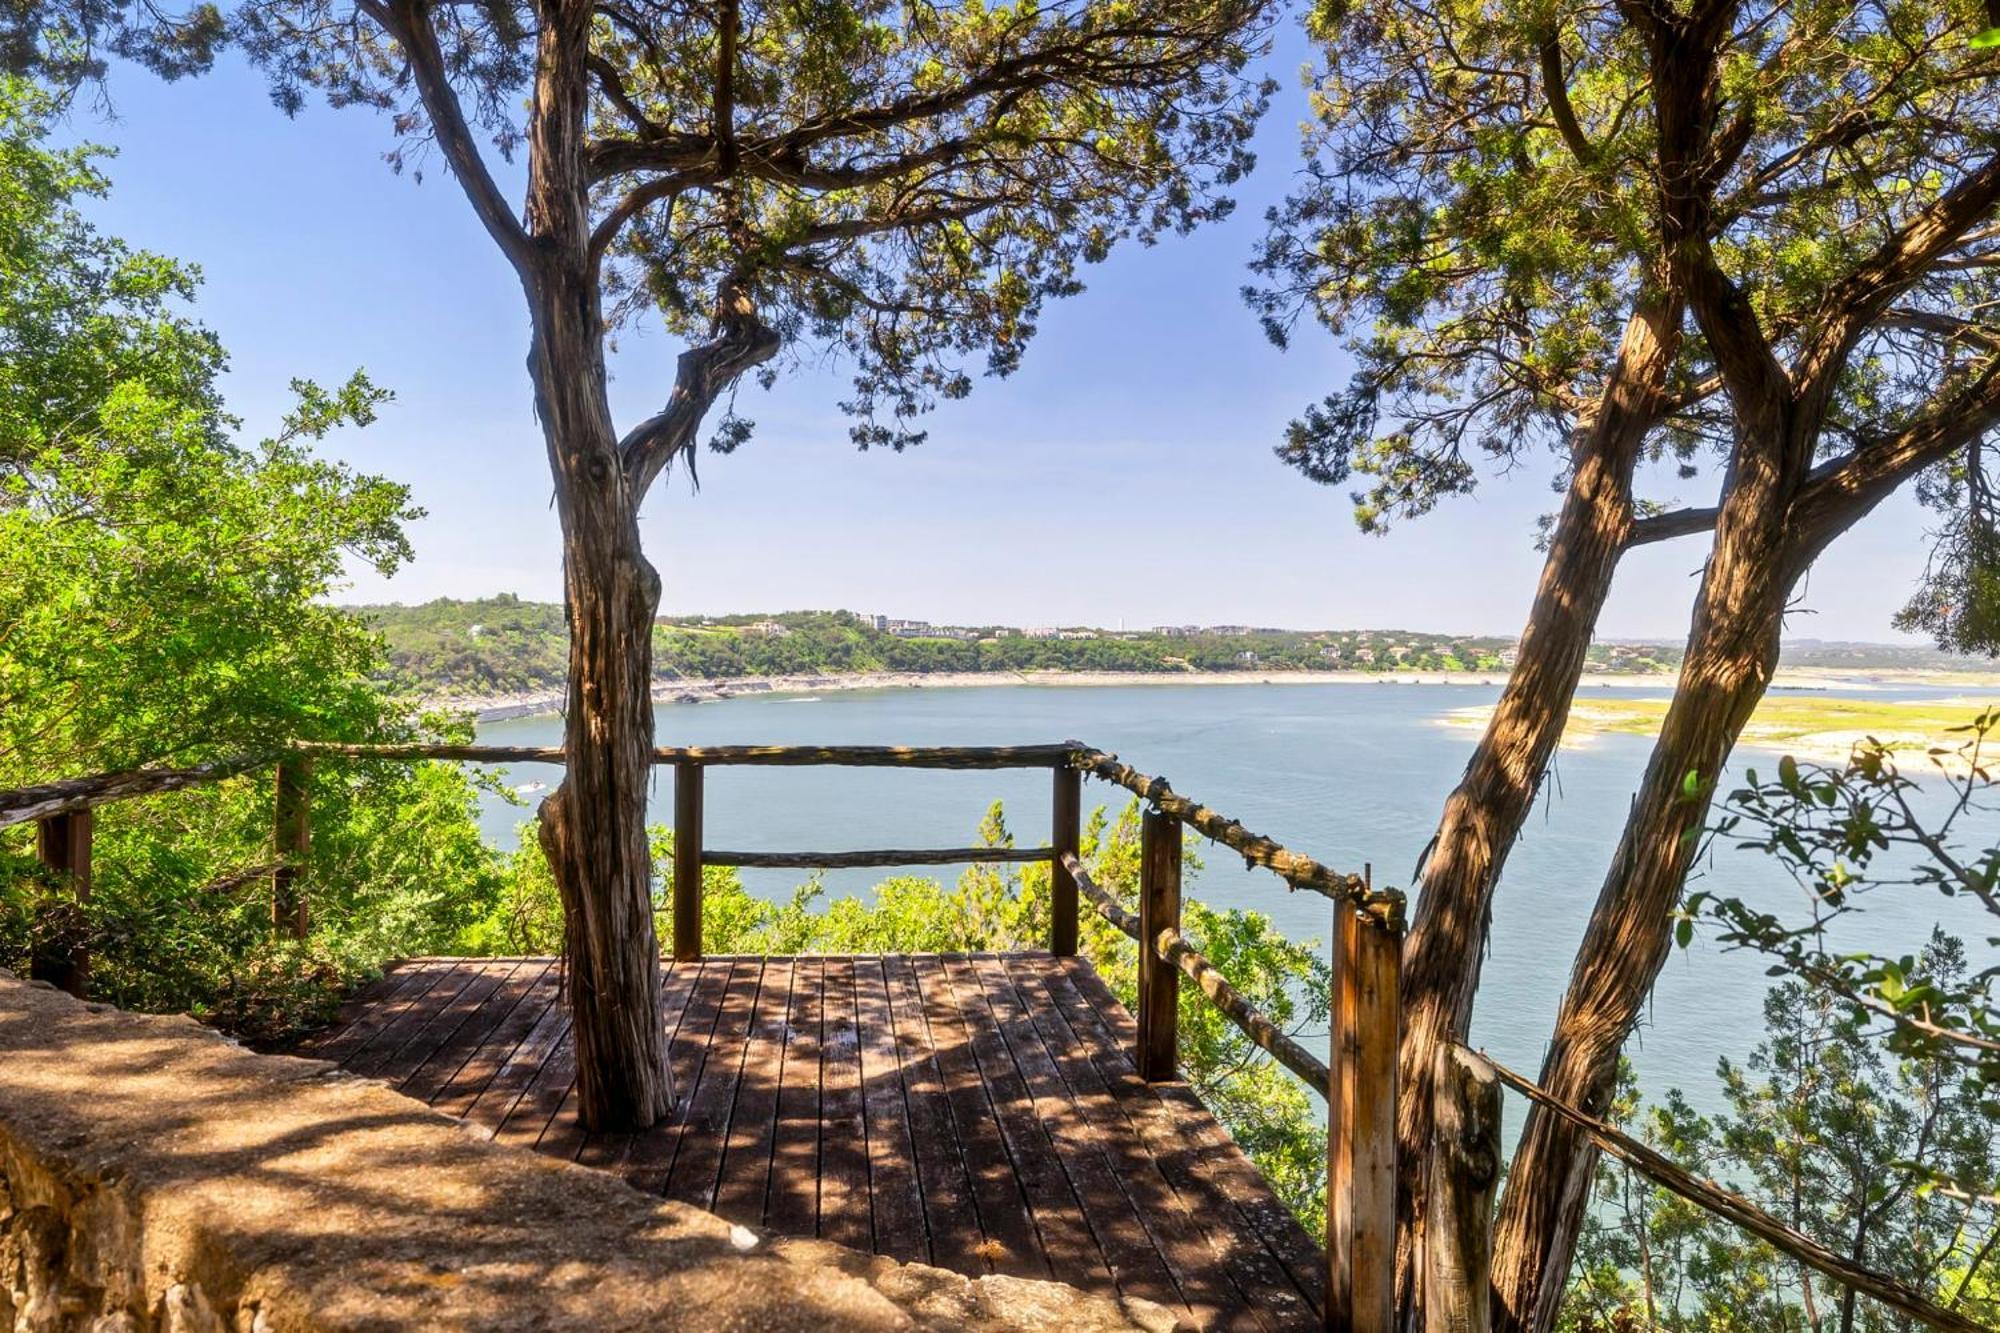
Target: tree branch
[
  {"x": 742, "y": 342},
  {"x": 408, "y": 22},
  {"x": 1839, "y": 492},
  {"x": 1555, "y": 88},
  {"x": 1860, "y": 298},
  {"x": 1669, "y": 525}
]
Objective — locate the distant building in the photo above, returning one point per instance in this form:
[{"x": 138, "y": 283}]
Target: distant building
[
  {"x": 767, "y": 629},
  {"x": 1042, "y": 632}
]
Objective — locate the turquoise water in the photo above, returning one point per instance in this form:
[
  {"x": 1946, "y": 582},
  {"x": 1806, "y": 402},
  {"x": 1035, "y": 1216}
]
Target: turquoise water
[{"x": 1351, "y": 774}]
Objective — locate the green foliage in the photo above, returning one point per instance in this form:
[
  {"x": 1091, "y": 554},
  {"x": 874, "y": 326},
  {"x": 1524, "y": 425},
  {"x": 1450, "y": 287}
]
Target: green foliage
[
  {"x": 1835, "y": 1138},
  {"x": 160, "y": 584},
  {"x": 505, "y": 646},
  {"x": 1865, "y": 1119},
  {"x": 1849, "y": 833},
  {"x": 902, "y": 187},
  {"x": 162, "y": 600}
]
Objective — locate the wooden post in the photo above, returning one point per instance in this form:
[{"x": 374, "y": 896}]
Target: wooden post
[
  {"x": 687, "y": 861},
  {"x": 1066, "y": 837},
  {"x": 291, "y": 835},
  {"x": 1464, "y": 1177},
  {"x": 1159, "y": 980},
  {"x": 1361, "y": 1126},
  {"x": 63, "y": 844}
]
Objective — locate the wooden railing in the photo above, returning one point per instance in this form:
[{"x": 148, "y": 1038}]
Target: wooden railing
[{"x": 1358, "y": 1080}]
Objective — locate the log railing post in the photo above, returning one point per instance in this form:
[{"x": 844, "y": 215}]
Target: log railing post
[
  {"x": 1066, "y": 838},
  {"x": 291, "y": 836},
  {"x": 1361, "y": 1125},
  {"x": 1159, "y": 980},
  {"x": 1464, "y": 1176},
  {"x": 63, "y": 844},
  {"x": 687, "y": 861}
]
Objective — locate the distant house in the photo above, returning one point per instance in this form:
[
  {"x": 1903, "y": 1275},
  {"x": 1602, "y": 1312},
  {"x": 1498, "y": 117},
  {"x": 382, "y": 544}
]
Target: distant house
[
  {"x": 767, "y": 629},
  {"x": 1042, "y": 632}
]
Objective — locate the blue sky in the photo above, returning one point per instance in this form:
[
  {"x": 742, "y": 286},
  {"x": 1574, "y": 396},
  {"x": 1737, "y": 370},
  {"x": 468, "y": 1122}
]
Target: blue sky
[{"x": 1124, "y": 474}]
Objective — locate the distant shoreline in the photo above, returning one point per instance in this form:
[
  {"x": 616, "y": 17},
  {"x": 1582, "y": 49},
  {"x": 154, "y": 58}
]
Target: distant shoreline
[{"x": 540, "y": 703}]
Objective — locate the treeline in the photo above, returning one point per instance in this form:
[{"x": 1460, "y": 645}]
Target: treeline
[{"x": 502, "y": 645}]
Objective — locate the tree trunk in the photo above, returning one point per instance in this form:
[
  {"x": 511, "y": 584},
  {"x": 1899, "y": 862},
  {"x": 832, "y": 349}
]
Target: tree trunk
[
  {"x": 593, "y": 827},
  {"x": 1484, "y": 815},
  {"x": 1732, "y": 650}
]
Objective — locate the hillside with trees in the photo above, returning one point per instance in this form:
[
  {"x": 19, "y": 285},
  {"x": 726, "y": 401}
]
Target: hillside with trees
[{"x": 499, "y": 646}]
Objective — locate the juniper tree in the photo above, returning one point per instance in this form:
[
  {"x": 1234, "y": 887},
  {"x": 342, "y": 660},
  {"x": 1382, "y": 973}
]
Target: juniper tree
[
  {"x": 1501, "y": 193},
  {"x": 904, "y": 186},
  {"x": 1478, "y": 223},
  {"x": 1828, "y": 186}
]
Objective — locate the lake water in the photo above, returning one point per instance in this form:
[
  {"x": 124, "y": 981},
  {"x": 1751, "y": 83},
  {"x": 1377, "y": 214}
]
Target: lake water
[{"x": 1347, "y": 773}]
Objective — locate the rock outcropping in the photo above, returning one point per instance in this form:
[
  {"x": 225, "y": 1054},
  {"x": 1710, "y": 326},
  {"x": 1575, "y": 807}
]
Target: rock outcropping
[{"x": 156, "y": 1176}]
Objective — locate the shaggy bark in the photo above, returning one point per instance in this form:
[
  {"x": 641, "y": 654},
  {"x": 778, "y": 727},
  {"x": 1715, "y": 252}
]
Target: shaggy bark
[
  {"x": 1776, "y": 515},
  {"x": 1484, "y": 814},
  {"x": 1731, "y": 653},
  {"x": 593, "y": 827}
]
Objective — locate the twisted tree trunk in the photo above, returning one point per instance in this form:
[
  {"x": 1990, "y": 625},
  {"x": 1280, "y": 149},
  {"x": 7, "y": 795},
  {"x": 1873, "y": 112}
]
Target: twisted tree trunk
[
  {"x": 593, "y": 827},
  {"x": 1731, "y": 653},
  {"x": 1484, "y": 814}
]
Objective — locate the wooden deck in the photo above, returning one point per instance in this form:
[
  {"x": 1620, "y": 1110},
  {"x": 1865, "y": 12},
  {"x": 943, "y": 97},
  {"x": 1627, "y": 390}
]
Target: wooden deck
[{"x": 979, "y": 1112}]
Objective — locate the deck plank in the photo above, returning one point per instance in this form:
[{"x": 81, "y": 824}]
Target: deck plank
[
  {"x": 844, "y": 1214},
  {"x": 704, "y": 1130},
  {"x": 1072, "y": 1251},
  {"x": 1135, "y": 1261},
  {"x": 753, "y": 1123},
  {"x": 791, "y": 1205},
  {"x": 981, "y": 1112},
  {"x": 496, "y": 1101},
  {"x": 953, "y": 1237},
  {"x": 1196, "y": 1256},
  {"x": 411, "y": 1025},
  {"x": 647, "y": 1157},
  {"x": 895, "y": 1201},
  {"x": 504, "y": 1024},
  {"x": 342, "y": 1044},
  {"x": 1187, "y": 1141},
  {"x": 438, "y": 1046},
  {"x": 366, "y": 1010},
  {"x": 1010, "y": 1242}
]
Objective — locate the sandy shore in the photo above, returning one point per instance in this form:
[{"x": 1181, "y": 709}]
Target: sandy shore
[{"x": 495, "y": 708}]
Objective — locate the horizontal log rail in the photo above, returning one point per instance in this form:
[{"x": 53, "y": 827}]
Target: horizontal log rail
[
  {"x": 767, "y": 756},
  {"x": 28, "y": 804},
  {"x": 892, "y": 856},
  {"x": 1384, "y": 907},
  {"x": 1173, "y": 947},
  {"x": 1733, "y": 1207}
]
